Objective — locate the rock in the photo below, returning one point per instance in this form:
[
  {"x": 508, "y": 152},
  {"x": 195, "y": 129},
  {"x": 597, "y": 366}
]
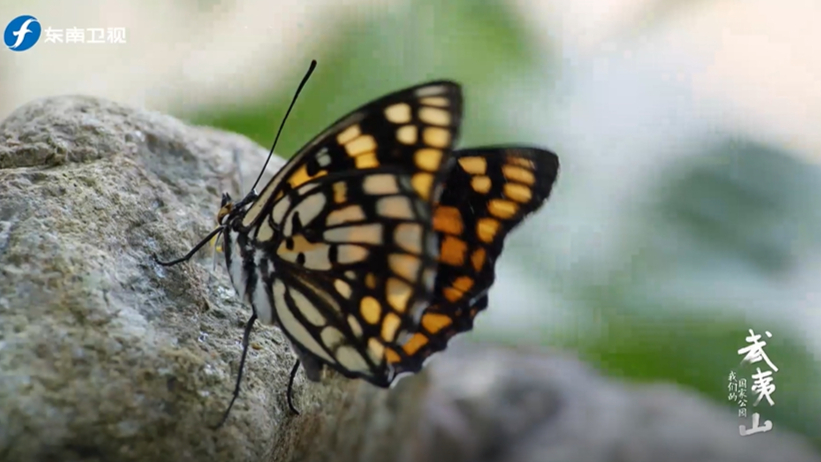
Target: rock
[
  {"x": 105, "y": 356},
  {"x": 495, "y": 405}
]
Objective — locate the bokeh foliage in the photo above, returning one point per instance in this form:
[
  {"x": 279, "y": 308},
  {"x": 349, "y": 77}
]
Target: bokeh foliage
[
  {"x": 674, "y": 311},
  {"x": 477, "y": 43}
]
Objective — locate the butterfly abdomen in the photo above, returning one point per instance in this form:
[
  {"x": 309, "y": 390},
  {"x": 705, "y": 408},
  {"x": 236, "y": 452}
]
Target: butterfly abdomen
[{"x": 248, "y": 269}]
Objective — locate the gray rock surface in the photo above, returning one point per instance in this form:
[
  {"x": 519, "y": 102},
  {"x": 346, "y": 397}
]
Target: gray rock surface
[{"x": 104, "y": 356}]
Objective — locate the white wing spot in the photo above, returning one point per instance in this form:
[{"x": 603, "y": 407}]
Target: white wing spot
[
  {"x": 280, "y": 209},
  {"x": 351, "y": 253},
  {"x": 381, "y": 184},
  {"x": 407, "y": 134},
  {"x": 343, "y": 288},
  {"x": 348, "y": 134},
  {"x": 404, "y": 265},
  {"x": 308, "y": 309},
  {"x": 399, "y": 292},
  {"x": 365, "y": 234},
  {"x": 434, "y": 116},
  {"x": 395, "y": 207},
  {"x": 399, "y": 113},
  {"x": 350, "y": 359},
  {"x": 361, "y": 145},
  {"x": 331, "y": 337},
  {"x": 351, "y": 213},
  {"x": 291, "y": 325},
  {"x": 308, "y": 209},
  {"x": 323, "y": 158},
  {"x": 436, "y": 137},
  {"x": 356, "y": 327},
  {"x": 265, "y": 233},
  {"x": 409, "y": 237},
  {"x": 430, "y": 91}
]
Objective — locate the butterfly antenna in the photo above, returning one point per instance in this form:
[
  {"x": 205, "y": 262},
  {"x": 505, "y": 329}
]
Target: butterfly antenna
[{"x": 281, "y": 125}]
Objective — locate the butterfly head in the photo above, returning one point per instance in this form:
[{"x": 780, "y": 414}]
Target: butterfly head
[
  {"x": 231, "y": 210},
  {"x": 226, "y": 207}
]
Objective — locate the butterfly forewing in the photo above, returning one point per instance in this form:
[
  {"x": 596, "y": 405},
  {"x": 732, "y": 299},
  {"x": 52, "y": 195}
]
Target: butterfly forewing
[
  {"x": 413, "y": 129},
  {"x": 488, "y": 192},
  {"x": 345, "y": 253}
]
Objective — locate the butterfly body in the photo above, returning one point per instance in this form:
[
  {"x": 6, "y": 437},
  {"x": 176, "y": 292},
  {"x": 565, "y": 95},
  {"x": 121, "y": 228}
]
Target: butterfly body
[
  {"x": 249, "y": 266},
  {"x": 376, "y": 243}
]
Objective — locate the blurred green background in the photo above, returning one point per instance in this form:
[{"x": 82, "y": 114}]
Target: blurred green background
[{"x": 686, "y": 210}]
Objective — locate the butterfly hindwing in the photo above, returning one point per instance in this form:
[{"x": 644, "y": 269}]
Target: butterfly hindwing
[
  {"x": 345, "y": 255},
  {"x": 356, "y": 270},
  {"x": 488, "y": 192}
]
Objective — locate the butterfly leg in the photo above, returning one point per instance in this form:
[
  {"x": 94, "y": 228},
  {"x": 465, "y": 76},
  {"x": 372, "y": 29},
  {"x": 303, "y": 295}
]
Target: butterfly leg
[
  {"x": 313, "y": 371},
  {"x": 291, "y": 388},
  {"x": 217, "y": 249},
  {"x": 245, "y": 342},
  {"x": 191, "y": 253}
]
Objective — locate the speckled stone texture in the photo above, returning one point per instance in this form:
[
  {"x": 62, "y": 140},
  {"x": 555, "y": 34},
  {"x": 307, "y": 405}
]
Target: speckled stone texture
[{"x": 105, "y": 356}]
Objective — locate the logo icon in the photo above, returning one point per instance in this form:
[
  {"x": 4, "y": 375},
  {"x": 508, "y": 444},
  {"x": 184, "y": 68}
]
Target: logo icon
[{"x": 22, "y": 33}]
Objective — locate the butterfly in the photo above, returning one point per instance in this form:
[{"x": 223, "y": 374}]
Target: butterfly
[{"x": 376, "y": 242}]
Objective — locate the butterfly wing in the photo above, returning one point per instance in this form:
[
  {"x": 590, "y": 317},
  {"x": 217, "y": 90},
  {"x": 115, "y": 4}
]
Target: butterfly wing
[
  {"x": 487, "y": 194},
  {"x": 353, "y": 278},
  {"x": 343, "y": 239},
  {"x": 413, "y": 129}
]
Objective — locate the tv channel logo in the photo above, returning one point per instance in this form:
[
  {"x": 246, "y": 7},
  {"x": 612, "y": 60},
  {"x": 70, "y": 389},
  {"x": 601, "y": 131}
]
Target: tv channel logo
[{"x": 22, "y": 33}]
